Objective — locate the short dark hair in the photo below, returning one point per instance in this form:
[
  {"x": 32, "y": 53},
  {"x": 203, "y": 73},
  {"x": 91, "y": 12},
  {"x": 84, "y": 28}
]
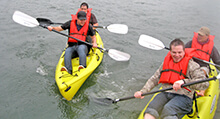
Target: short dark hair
[
  {"x": 177, "y": 42},
  {"x": 84, "y": 4}
]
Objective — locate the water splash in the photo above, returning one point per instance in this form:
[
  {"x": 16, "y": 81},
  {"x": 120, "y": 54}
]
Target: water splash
[
  {"x": 41, "y": 70},
  {"x": 106, "y": 74}
]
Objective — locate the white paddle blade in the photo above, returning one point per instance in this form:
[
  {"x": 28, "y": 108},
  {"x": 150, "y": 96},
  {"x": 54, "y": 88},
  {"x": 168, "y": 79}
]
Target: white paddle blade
[
  {"x": 24, "y": 19},
  {"x": 118, "y": 55},
  {"x": 150, "y": 42},
  {"x": 218, "y": 77},
  {"x": 118, "y": 28}
]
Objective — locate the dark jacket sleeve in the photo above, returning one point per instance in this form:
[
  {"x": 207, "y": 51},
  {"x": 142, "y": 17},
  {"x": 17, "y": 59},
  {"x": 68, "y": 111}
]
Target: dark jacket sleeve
[
  {"x": 66, "y": 25},
  {"x": 90, "y": 32},
  {"x": 215, "y": 56},
  {"x": 188, "y": 44}
]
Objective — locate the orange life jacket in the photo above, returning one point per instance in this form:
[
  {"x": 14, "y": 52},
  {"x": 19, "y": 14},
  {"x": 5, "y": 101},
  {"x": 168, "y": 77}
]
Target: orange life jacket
[
  {"x": 172, "y": 71},
  {"x": 82, "y": 33},
  {"x": 203, "y": 51}
]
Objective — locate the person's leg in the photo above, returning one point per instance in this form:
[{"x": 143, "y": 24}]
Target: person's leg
[
  {"x": 82, "y": 50},
  {"x": 177, "y": 106},
  {"x": 89, "y": 40},
  {"x": 156, "y": 105},
  {"x": 148, "y": 116},
  {"x": 68, "y": 57}
]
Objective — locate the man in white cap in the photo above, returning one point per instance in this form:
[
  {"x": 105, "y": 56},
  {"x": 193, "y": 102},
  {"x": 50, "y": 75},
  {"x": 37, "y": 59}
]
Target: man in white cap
[{"x": 203, "y": 42}]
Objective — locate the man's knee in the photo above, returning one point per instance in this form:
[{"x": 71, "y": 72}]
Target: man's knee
[
  {"x": 152, "y": 112},
  {"x": 82, "y": 49},
  {"x": 148, "y": 116}
]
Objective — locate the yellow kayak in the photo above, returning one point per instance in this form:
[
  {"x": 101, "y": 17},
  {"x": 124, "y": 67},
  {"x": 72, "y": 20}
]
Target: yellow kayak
[
  {"x": 69, "y": 84},
  {"x": 206, "y": 105}
]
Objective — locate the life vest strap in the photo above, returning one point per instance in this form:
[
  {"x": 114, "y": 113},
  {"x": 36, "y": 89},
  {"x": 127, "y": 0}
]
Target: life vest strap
[
  {"x": 204, "y": 51},
  {"x": 78, "y": 34},
  {"x": 180, "y": 73}
]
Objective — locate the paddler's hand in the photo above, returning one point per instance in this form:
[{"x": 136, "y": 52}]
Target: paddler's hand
[
  {"x": 94, "y": 45},
  {"x": 177, "y": 85},
  {"x": 50, "y": 28},
  {"x": 200, "y": 93},
  {"x": 138, "y": 95}
]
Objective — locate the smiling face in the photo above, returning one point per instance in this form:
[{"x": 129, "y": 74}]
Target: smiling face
[
  {"x": 202, "y": 38},
  {"x": 81, "y": 22},
  {"x": 84, "y": 8},
  {"x": 177, "y": 52}
]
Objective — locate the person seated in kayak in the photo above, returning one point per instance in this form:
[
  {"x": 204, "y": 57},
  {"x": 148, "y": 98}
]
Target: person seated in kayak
[
  {"x": 90, "y": 17},
  {"x": 203, "y": 42},
  {"x": 178, "y": 68},
  {"x": 79, "y": 28},
  {"x": 92, "y": 20}
]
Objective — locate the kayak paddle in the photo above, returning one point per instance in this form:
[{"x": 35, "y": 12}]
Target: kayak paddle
[
  {"x": 114, "y": 28},
  {"x": 29, "y": 21},
  {"x": 47, "y": 22},
  {"x": 111, "y": 101},
  {"x": 155, "y": 44}
]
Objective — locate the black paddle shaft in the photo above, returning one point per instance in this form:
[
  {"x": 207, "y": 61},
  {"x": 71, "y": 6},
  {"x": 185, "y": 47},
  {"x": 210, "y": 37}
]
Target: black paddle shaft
[
  {"x": 72, "y": 37},
  {"x": 166, "y": 89},
  {"x": 99, "y": 26},
  {"x": 45, "y": 21}
]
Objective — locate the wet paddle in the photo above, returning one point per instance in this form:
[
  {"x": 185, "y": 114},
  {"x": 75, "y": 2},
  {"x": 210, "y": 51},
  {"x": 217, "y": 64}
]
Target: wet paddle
[
  {"x": 29, "y": 21},
  {"x": 155, "y": 44},
  {"x": 107, "y": 101},
  {"x": 114, "y": 28}
]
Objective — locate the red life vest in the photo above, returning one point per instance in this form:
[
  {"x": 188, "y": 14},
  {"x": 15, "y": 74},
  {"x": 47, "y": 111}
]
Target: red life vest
[
  {"x": 203, "y": 51},
  {"x": 82, "y": 33},
  {"x": 175, "y": 71}
]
